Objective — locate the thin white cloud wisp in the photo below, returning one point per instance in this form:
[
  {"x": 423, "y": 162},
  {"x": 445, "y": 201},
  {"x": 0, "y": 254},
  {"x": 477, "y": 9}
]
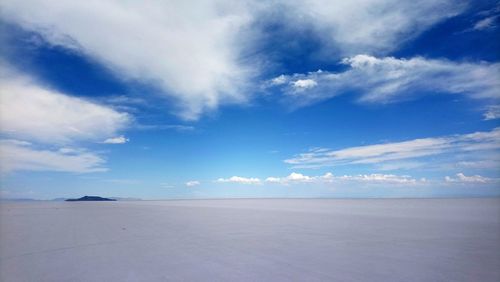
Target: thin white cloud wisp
[
  {"x": 484, "y": 141},
  {"x": 23, "y": 156},
  {"x": 388, "y": 79}
]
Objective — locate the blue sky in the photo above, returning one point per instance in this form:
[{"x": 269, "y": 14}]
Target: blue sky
[{"x": 277, "y": 99}]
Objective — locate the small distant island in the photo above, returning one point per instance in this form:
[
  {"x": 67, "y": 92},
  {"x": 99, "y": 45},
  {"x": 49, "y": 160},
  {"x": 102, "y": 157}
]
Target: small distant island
[{"x": 89, "y": 198}]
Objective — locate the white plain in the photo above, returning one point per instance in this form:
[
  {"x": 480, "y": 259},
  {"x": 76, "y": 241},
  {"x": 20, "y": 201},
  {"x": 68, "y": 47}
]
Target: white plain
[{"x": 252, "y": 240}]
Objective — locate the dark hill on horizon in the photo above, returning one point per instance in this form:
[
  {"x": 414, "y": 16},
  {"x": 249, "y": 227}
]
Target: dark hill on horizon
[{"x": 90, "y": 198}]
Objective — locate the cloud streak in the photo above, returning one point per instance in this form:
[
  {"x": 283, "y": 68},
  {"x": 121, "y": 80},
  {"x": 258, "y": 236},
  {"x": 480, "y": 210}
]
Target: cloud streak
[
  {"x": 351, "y": 27},
  {"x": 493, "y": 112},
  {"x": 461, "y": 178},
  {"x": 23, "y": 156},
  {"x": 388, "y": 79},
  {"x": 116, "y": 140},
  {"x": 399, "y": 151}
]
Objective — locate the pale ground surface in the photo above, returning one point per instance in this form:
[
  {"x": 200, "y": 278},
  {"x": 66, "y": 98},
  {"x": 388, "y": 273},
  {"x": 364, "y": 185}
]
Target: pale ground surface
[{"x": 252, "y": 240}]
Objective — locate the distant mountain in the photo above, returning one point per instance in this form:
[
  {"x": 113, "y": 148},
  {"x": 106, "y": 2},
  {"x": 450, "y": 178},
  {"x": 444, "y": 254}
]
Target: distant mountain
[{"x": 90, "y": 198}]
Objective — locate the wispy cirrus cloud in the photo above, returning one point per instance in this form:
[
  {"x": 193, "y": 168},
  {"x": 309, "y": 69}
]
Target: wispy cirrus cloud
[
  {"x": 488, "y": 19},
  {"x": 486, "y": 23},
  {"x": 473, "y": 143},
  {"x": 23, "y": 156},
  {"x": 492, "y": 112},
  {"x": 388, "y": 79},
  {"x": 461, "y": 178},
  {"x": 359, "y": 26}
]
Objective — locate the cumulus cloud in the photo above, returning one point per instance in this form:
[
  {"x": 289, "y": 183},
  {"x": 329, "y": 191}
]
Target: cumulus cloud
[
  {"x": 278, "y": 80},
  {"x": 240, "y": 180},
  {"x": 272, "y": 179},
  {"x": 461, "y": 178},
  {"x": 297, "y": 178},
  {"x": 21, "y": 155},
  {"x": 330, "y": 179},
  {"x": 30, "y": 111},
  {"x": 304, "y": 83},
  {"x": 486, "y": 141},
  {"x": 388, "y": 79},
  {"x": 192, "y": 54},
  {"x": 192, "y": 183},
  {"x": 294, "y": 177},
  {"x": 116, "y": 140}
]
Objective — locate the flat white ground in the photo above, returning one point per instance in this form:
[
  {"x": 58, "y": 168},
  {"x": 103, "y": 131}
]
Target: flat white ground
[{"x": 252, "y": 240}]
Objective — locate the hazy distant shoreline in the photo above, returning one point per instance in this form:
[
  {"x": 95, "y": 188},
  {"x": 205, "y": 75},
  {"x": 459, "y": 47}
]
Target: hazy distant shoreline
[{"x": 261, "y": 198}]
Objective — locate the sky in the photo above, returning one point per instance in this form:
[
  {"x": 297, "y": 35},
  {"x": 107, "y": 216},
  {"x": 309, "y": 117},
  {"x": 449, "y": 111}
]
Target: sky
[{"x": 228, "y": 99}]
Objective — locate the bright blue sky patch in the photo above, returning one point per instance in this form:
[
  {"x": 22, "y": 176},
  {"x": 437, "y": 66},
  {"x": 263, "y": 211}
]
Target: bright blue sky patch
[{"x": 249, "y": 99}]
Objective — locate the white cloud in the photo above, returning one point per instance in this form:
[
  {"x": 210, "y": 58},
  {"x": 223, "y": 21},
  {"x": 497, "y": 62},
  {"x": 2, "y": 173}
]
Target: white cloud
[
  {"x": 304, "y": 83},
  {"x": 381, "y": 178},
  {"x": 493, "y": 112},
  {"x": 384, "y": 80},
  {"x": 298, "y": 178},
  {"x": 367, "y": 26},
  {"x": 19, "y": 155},
  {"x": 374, "y": 179},
  {"x": 116, "y": 140},
  {"x": 50, "y": 121},
  {"x": 294, "y": 177},
  {"x": 199, "y": 56},
  {"x": 177, "y": 127},
  {"x": 239, "y": 179},
  {"x": 278, "y": 80},
  {"x": 486, "y": 23},
  {"x": 397, "y": 151},
  {"x": 31, "y": 111},
  {"x": 192, "y": 54},
  {"x": 461, "y": 178},
  {"x": 192, "y": 183},
  {"x": 273, "y": 179}
]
